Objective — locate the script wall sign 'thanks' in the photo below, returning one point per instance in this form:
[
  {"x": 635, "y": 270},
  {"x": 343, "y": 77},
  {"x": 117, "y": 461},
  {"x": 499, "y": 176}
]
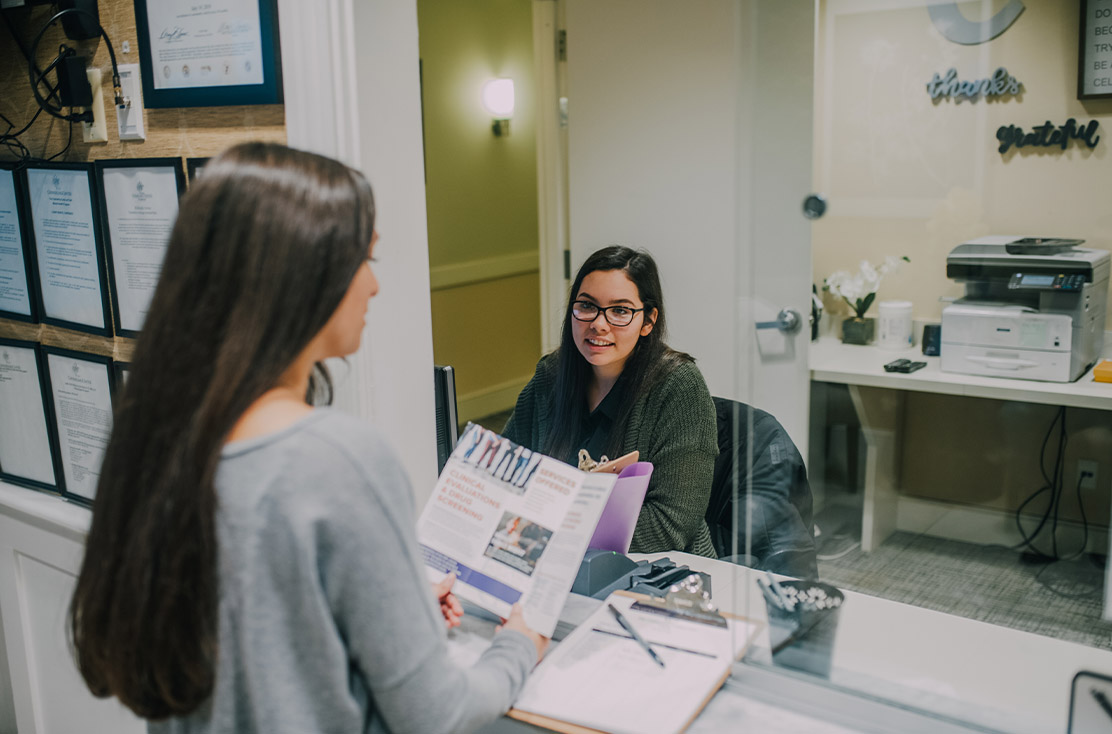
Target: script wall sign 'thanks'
[
  {"x": 1047, "y": 135},
  {"x": 1000, "y": 84}
]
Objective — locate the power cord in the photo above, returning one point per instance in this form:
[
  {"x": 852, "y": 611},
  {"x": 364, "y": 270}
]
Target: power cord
[{"x": 36, "y": 80}]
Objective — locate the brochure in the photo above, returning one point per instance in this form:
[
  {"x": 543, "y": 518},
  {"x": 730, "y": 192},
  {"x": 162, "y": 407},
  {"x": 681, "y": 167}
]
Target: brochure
[{"x": 511, "y": 524}]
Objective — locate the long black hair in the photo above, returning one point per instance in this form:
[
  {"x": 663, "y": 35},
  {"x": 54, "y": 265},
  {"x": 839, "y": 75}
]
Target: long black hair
[
  {"x": 650, "y": 361},
  {"x": 266, "y": 244}
]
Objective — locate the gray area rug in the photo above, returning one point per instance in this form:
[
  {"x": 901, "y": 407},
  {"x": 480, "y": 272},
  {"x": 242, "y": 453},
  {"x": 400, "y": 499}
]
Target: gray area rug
[{"x": 986, "y": 583}]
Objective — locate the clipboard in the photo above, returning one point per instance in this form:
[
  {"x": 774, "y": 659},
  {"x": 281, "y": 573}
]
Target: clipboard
[
  {"x": 615, "y": 466},
  {"x": 691, "y": 701}
]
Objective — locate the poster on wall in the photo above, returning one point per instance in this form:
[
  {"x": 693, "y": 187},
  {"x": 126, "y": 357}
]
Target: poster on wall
[
  {"x": 17, "y": 300},
  {"x": 26, "y": 456},
  {"x": 80, "y": 388},
  {"x": 1094, "y": 55},
  {"x": 211, "y": 53},
  {"x": 138, "y": 205},
  {"x": 69, "y": 254}
]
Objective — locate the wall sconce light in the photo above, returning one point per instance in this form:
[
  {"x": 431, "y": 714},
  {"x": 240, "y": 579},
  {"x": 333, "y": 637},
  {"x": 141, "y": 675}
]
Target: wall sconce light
[{"x": 498, "y": 100}]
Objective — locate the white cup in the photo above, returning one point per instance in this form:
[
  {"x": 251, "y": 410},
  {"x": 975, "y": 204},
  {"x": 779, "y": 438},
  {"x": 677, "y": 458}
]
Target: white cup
[{"x": 895, "y": 325}]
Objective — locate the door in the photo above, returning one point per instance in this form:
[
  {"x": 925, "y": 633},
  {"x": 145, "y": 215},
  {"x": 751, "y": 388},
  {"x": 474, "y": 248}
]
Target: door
[{"x": 678, "y": 145}]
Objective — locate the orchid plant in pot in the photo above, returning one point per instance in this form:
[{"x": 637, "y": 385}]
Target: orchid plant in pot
[{"x": 858, "y": 290}]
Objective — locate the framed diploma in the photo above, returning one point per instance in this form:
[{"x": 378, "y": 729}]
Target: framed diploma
[
  {"x": 208, "y": 53},
  {"x": 193, "y": 167},
  {"x": 17, "y": 299},
  {"x": 79, "y": 388},
  {"x": 68, "y": 252},
  {"x": 26, "y": 438},
  {"x": 1094, "y": 51},
  {"x": 138, "y": 206}
]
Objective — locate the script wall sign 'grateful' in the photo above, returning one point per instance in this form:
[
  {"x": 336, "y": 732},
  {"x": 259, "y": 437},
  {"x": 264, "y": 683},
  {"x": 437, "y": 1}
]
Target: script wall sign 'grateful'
[
  {"x": 999, "y": 84},
  {"x": 1047, "y": 135}
]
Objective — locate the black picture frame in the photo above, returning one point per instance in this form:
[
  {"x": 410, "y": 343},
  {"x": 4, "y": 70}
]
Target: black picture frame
[
  {"x": 1087, "y": 55},
  {"x": 98, "y": 244},
  {"x": 29, "y": 261},
  {"x": 193, "y": 167},
  {"x": 56, "y": 434},
  {"x": 269, "y": 92},
  {"x": 102, "y": 204},
  {"x": 48, "y": 417},
  {"x": 1088, "y": 684}
]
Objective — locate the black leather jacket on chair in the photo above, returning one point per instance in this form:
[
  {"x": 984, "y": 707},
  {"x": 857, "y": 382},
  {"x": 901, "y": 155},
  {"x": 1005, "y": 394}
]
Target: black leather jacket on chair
[{"x": 782, "y": 524}]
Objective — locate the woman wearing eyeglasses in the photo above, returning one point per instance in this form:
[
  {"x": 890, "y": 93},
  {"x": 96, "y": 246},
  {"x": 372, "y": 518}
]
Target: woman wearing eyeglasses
[{"x": 613, "y": 386}]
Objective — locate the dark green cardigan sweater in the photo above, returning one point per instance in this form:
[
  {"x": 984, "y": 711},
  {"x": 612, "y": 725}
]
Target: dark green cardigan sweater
[{"x": 673, "y": 426}]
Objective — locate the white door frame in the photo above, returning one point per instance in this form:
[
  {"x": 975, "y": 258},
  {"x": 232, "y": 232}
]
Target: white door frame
[
  {"x": 552, "y": 161},
  {"x": 352, "y": 91}
]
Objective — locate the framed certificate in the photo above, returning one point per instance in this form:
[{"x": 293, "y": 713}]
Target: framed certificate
[
  {"x": 209, "y": 53},
  {"x": 1094, "y": 50},
  {"x": 68, "y": 252},
  {"x": 122, "y": 370},
  {"x": 193, "y": 167},
  {"x": 80, "y": 388},
  {"x": 17, "y": 298},
  {"x": 26, "y": 435},
  {"x": 138, "y": 206}
]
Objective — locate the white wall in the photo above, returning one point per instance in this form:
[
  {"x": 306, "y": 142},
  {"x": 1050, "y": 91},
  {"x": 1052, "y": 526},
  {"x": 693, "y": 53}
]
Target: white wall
[
  {"x": 41, "y": 544},
  {"x": 689, "y": 136},
  {"x": 352, "y": 91}
]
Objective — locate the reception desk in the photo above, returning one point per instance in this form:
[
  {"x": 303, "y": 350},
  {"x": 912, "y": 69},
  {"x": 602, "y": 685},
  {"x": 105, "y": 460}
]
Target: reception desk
[{"x": 940, "y": 670}]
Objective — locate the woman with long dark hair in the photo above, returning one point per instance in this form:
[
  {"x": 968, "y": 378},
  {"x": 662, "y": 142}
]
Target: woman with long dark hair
[
  {"x": 251, "y": 564},
  {"x": 613, "y": 386}
]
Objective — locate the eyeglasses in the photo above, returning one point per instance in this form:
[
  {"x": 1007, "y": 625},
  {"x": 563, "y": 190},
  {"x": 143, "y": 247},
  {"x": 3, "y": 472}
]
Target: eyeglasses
[{"x": 614, "y": 315}]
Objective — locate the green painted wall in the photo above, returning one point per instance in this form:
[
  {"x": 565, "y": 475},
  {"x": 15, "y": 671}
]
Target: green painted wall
[
  {"x": 481, "y": 190},
  {"x": 481, "y": 195}
]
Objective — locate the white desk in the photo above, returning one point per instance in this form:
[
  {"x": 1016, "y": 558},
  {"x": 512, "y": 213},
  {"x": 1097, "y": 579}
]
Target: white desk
[
  {"x": 932, "y": 669},
  {"x": 878, "y": 398},
  {"x": 1008, "y": 680}
]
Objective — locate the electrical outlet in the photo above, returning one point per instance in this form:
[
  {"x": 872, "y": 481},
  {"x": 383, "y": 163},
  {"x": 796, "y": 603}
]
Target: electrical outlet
[
  {"x": 1087, "y": 474},
  {"x": 129, "y": 115},
  {"x": 97, "y": 130}
]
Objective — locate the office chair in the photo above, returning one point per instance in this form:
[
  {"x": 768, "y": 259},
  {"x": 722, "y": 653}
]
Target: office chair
[{"x": 781, "y": 524}]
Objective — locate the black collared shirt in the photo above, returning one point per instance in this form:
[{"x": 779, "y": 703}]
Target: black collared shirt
[{"x": 594, "y": 432}]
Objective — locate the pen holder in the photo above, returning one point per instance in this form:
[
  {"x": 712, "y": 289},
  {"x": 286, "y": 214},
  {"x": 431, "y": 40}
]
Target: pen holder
[{"x": 802, "y": 630}]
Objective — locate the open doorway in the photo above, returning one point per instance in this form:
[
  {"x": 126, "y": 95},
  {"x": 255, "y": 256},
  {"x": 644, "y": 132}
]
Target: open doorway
[{"x": 482, "y": 202}]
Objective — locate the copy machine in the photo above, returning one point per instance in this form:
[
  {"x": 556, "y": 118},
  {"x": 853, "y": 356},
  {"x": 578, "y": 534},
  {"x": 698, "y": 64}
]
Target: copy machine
[{"x": 1033, "y": 308}]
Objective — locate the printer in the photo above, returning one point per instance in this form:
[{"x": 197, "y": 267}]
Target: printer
[{"x": 1033, "y": 308}]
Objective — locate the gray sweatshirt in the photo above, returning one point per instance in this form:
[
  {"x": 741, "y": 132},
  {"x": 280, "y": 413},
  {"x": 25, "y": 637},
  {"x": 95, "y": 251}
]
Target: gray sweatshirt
[{"x": 327, "y": 622}]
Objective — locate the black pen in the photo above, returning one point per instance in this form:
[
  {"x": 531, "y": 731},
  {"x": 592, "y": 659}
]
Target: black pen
[
  {"x": 1102, "y": 700},
  {"x": 633, "y": 633}
]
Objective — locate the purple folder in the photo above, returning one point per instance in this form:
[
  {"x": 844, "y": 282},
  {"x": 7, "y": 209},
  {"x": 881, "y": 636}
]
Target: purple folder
[{"x": 615, "y": 528}]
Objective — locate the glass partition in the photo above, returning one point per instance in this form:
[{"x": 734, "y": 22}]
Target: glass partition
[{"x": 956, "y": 445}]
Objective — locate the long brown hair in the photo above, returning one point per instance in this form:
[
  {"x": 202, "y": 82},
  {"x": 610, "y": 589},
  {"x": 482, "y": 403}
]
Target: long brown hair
[
  {"x": 266, "y": 243},
  {"x": 648, "y": 364}
]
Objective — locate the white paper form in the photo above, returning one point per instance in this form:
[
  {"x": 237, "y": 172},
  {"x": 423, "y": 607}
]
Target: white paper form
[
  {"x": 141, "y": 206},
  {"x": 83, "y": 410},
  {"x": 24, "y": 441},
  {"x": 601, "y": 678},
  {"x": 62, "y": 216},
  {"x": 15, "y": 297},
  {"x": 213, "y": 43}
]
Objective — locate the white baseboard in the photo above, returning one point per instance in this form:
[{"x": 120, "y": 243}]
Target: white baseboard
[
  {"x": 478, "y": 271},
  {"x": 490, "y": 400},
  {"x": 987, "y": 526}
]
